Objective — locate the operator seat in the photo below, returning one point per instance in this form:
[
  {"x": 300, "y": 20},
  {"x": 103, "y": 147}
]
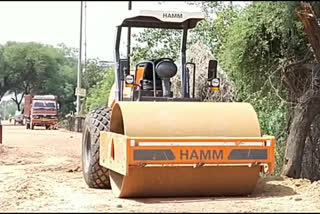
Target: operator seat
[
  {"x": 144, "y": 74},
  {"x": 148, "y": 77}
]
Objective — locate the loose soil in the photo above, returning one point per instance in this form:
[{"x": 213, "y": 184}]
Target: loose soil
[{"x": 40, "y": 170}]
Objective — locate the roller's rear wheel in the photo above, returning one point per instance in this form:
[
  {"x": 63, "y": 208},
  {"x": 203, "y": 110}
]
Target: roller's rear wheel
[{"x": 95, "y": 175}]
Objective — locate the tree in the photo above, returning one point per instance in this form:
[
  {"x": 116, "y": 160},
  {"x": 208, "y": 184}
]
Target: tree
[
  {"x": 212, "y": 31},
  {"x": 98, "y": 95},
  {"x": 39, "y": 69},
  {"x": 264, "y": 38},
  {"x": 7, "y": 108},
  {"x": 303, "y": 80},
  {"x": 270, "y": 60},
  {"x": 5, "y": 79},
  {"x": 94, "y": 73},
  {"x": 156, "y": 43},
  {"x": 30, "y": 65}
]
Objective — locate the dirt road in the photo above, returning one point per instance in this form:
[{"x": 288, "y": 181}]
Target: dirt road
[{"x": 40, "y": 170}]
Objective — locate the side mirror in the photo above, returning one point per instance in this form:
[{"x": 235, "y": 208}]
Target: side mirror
[
  {"x": 125, "y": 73},
  {"x": 124, "y": 68},
  {"x": 213, "y": 81},
  {"x": 212, "y": 69}
]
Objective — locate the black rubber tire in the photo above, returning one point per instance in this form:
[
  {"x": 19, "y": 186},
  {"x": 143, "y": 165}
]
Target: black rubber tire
[{"x": 95, "y": 175}]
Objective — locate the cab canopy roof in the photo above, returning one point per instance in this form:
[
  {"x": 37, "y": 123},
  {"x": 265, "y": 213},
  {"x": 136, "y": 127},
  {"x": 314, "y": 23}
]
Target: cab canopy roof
[{"x": 161, "y": 19}]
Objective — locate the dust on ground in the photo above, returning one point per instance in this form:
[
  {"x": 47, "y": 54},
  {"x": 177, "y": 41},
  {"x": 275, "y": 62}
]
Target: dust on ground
[{"x": 40, "y": 170}]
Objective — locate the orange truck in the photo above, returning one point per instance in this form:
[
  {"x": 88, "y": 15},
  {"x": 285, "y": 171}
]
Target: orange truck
[{"x": 41, "y": 110}]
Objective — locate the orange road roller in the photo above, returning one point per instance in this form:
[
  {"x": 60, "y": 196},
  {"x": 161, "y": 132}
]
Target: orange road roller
[{"x": 148, "y": 143}]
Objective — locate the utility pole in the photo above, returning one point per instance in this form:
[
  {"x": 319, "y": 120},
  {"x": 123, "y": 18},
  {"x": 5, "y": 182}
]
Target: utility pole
[
  {"x": 85, "y": 37},
  {"x": 129, "y": 40},
  {"x": 79, "y": 64},
  {"x": 79, "y": 76},
  {"x": 4, "y": 111}
]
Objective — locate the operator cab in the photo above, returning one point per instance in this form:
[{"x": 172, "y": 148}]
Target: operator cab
[{"x": 151, "y": 80}]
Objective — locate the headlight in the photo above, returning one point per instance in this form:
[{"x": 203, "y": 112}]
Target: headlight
[
  {"x": 129, "y": 79},
  {"x": 36, "y": 116},
  {"x": 215, "y": 83}
]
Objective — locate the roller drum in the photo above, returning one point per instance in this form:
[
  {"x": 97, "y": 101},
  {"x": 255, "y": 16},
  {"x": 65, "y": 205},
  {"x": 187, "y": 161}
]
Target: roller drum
[
  {"x": 185, "y": 181},
  {"x": 184, "y": 119}
]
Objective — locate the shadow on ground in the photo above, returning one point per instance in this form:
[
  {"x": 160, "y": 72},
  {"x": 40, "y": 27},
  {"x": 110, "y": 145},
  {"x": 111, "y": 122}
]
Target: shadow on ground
[{"x": 266, "y": 187}]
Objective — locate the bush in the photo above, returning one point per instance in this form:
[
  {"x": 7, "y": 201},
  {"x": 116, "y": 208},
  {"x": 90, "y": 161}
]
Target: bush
[{"x": 98, "y": 95}]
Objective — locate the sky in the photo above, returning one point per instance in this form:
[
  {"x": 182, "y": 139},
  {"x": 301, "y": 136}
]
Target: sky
[{"x": 53, "y": 22}]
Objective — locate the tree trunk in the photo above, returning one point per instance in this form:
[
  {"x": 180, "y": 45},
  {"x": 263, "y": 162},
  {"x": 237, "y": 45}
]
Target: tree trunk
[
  {"x": 18, "y": 102},
  {"x": 309, "y": 103},
  {"x": 311, "y": 27},
  {"x": 304, "y": 114}
]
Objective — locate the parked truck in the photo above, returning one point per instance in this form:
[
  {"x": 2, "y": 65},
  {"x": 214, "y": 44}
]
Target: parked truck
[{"x": 41, "y": 110}]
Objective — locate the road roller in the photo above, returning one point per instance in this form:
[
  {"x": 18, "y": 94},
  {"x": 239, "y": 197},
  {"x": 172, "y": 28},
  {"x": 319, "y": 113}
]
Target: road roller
[{"x": 146, "y": 142}]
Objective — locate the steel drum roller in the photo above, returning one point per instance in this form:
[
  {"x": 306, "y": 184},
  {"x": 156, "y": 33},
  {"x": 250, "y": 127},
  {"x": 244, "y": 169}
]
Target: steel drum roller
[{"x": 185, "y": 119}]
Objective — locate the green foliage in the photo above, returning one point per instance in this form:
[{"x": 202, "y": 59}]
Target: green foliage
[
  {"x": 30, "y": 65},
  {"x": 4, "y": 86},
  {"x": 156, "y": 43},
  {"x": 66, "y": 80},
  {"x": 39, "y": 69},
  {"x": 43, "y": 69},
  {"x": 253, "y": 51},
  {"x": 98, "y": 95},
  {"x": 93, "y": 73},
  {"x": 212, "y": 32},
  {"x": 7, "y": 108},
  {"x": 252, "y": 44},
  {"x": 273, "y": 118},
  {"x": 265, "y": 34}
]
